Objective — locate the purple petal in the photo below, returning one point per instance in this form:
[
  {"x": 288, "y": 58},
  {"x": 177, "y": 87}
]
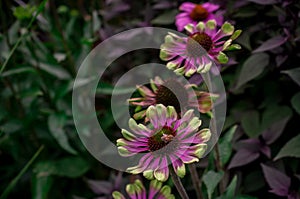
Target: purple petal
[
  {"x": 279, "y": 182},
  {"x": 187, "y": 6},
  {"x": 243, "y": 157},
  {"x": 210, "y": 7}
]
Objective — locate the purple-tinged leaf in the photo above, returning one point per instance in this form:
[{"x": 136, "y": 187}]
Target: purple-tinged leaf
[
  {"x": 290, "y": 149},
  {"x": 100, "y": 187},
  {"x": 280, "y": 59},
  {"x": 164, "y": 5},
  {"x": 271, "y": 44},
  {"x": 264, "y": 2},
  {"x": 266, "y": 150},
  {"x": 294, "y": 74},
  {"x": 252, "y": 144},
  {"x": 293, "y": 195},
  {"x": 243, "y": 157},
  {"x": 118, "y": 180},
  {"x": 275, "y": 130},
  {"x": 279, "y": 182}
]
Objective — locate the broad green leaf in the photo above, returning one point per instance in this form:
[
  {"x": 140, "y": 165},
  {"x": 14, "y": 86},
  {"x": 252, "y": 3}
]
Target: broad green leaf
[
  {"x": 273, "y": 114},
  {"x": 296, "y": 102},
  {"x": 230, "y": 191},
  {"x": 71, "y": 167},
  {"x": 251, "y": 123},
  {"x": 290, "y": 149},
  {"x": 294, "y": 74},
  {"x": 252, "y": 68},
  {"x": 225, "y": 146},
  {"x": 166, "y": 18},
  {"x": 56, "y": 123},
  {"x": 211, "y": 179}
]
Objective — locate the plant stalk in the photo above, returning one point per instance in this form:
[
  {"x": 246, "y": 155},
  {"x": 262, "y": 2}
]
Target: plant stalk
[
  {"x": 196, "y": 180},
  {"x": 178, "y": 184}
]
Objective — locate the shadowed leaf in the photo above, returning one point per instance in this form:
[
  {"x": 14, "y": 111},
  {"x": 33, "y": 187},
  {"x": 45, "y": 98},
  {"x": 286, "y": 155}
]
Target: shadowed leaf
[
  {"x": 290, "y": 149},
  {"x": 294, "y": 74},
  {"x": 278, "y": 181},
  {"x": 211, "y": 179},
  {"x": 252, "y": 68}
]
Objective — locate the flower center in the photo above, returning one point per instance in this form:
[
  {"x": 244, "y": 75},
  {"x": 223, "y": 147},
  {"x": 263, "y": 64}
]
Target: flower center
[
  {"x": 165, "y": 96},
  {"x": 199, "y": 13},
  {"x": 161, "y": 138},
  {"x": 193, "y": 44}
]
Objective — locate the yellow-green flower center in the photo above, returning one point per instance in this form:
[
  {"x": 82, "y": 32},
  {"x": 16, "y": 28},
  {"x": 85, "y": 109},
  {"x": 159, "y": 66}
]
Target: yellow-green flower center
[{"x": 199, "y": 13}]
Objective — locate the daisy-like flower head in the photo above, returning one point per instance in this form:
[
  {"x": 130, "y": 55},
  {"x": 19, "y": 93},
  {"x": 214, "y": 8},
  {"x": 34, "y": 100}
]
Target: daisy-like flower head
[
  {"x": 137, "y": 190},
  {"x": 195, "y": 53},
  {"x": 193, "y": 13},
  {"x": 171, "y": 93},
  {"x": 166, "y": 140}
]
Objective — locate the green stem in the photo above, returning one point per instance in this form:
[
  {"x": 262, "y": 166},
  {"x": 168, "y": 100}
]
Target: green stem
[
  {"x": 177, "y": 184},
  {"x": 13, "y": 183},
  {"x": 39, "y": 10},
  {"x": 196, "y": 180}
]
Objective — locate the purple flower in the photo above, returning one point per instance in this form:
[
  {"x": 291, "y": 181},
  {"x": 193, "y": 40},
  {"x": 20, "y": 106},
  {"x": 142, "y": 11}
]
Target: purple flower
[
  {"x": 187, "y": 55},
  {"x": 171, "y": 93},
  {"x": 166, "y": 140},
  {"x": 137, "y": 190},
  {"x": 193, "y": 13}
]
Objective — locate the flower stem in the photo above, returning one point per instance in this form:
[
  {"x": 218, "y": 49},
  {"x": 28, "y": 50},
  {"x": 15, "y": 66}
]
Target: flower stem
[
  {"x": 178, "y": 184},
  {"x": 196, "y": 180}
]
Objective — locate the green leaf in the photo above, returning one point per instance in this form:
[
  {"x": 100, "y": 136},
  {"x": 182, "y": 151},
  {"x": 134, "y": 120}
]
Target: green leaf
[
  {"x": 18, "y": 71},
  {"x": 290, "y": 149},
  {"x": 211, "y": 179},
  {"x": 294, "y": 74},
  {"x": 252, "y": 68},
  {"x": 41, "y": 186},
  {"x": 72, "y": 167},
  {"x": 225, "y": 146},
  {"x": 24, "y": 12},
  {"x": 251, "y": 123},
  {"x": 274, "y": 114},
  {"x": 231, "y": 188},
  {"x": 166, "y": 18},
  {"x": 296, "y": 102},
  {"x": 56, "y": 123},
  {"x": 108, "y": 89}
]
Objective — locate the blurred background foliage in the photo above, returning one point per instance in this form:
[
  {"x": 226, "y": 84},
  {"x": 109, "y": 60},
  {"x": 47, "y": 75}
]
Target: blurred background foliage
[{"x": 44, "y": 42}]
